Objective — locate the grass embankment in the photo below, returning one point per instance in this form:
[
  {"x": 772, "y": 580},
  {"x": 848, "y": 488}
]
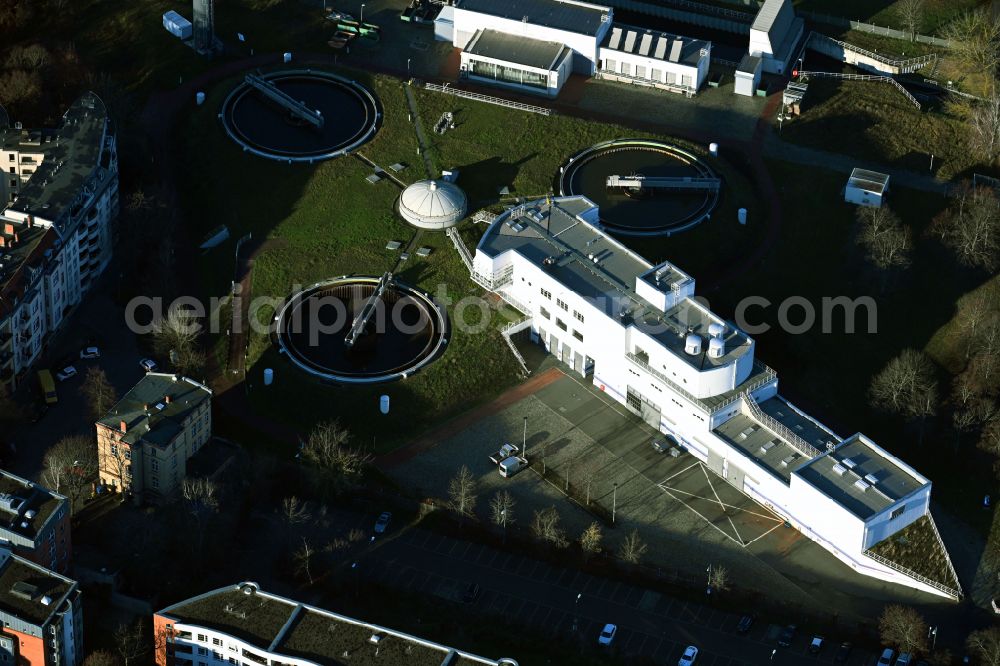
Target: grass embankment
[
  {"x": 885, "y": 13},
  {"x": 874, "y": 122},
  {"x": 918, "y": 549}
]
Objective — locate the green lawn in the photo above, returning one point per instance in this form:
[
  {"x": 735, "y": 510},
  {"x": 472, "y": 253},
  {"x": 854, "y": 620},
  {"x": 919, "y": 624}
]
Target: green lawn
[
  {"x": 882, "y": 126},
  {"x": 937, "y": 13}
]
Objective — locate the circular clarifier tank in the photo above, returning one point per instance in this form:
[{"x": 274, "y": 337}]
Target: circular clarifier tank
[
  {"x": 403, "y": 330},
  {"x": 641, "y": 211},
  {"x": 300, "y": 115},
  {"x": 433, "y": 204}
]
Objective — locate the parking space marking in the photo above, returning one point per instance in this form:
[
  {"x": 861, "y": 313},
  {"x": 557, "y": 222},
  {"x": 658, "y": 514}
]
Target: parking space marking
[
  {"x": 697, "y": 513},
  {"x": 765, "y": 533},
  {"x": 721, "y": 505},
  {"x": 680, "y": 472}
]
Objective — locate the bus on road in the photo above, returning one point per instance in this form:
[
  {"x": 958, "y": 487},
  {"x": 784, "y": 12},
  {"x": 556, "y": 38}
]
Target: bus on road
[{"x": 48, "y": 387}]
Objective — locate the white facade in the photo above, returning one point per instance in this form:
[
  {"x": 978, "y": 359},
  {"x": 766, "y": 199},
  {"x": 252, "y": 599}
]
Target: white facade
[
  {"x": 56, "y": 235},
  {"x": 580, "y": 26},
  {"x": 774, "y": 33},
  {"x": 866, "y": 188},
  {"x": 747, "y": 76},
  {"x": 657, "y": 59},
  {"x": 525, "y": 65},
  {"x": 635, "y": 330}
]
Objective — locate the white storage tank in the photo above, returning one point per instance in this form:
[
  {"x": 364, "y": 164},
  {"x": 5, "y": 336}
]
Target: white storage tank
[
  {"x": 177, "y": 25},
  {"x": 716, "y": 330},
  {"x": 383, "y": 404},
  {"x": 268, "y": 376},
  {"x": 287, "y": 57},
  {"x": 716, "y": 348},
  {"x": 199, "y": 98},
  {"x": 692, "y": 344},
  {"x": 713, "y": 149}
]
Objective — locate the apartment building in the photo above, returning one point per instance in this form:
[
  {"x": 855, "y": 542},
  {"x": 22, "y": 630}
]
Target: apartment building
[
  {"x": 35, "y": 523},
  {"x": 146, "y": 440},
  {"x": 41, "y": 623},
  {"x": 242, "y": 624},
  {"x": 58, "y": 198}
]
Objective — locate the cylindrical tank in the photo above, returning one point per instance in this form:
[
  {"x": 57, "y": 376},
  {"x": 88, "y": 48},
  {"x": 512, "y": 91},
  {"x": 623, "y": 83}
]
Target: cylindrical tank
[
  {"x": 199, "y": 98},
  {"x": 713, "y": 149},
  {"x": 692, "y": 344},
  {"x": 742, "y": 215},
  {"x": 287, "y": 56},
  {"x": 383, "y": 404},
  {"x": 268, "y": 376},
  {"x": 716, "y": 348},
  {"x": 715, "y": 329}
]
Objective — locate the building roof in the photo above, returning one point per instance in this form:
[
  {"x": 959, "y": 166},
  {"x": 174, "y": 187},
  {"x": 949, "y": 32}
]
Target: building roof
[
  {"x": 18, "y": 498},
  {"x": 654, "y": 44},
  {"x": 72, "y": 154},
  {"x": 284, "y": 627},
  {"x": 750, "y": 64},
  {"x": 870, "y": 181},
  {"x": 567, "y": 15},
  {"x": 149, "y": 416},
  {"x": 862, "y": 477},
  {"x": 773, "y": 14},
  {"x": 30, "y": 593},
  {"x": 593, "y": 265},
  {"x": 432, "y": 204},
  {"x": 517, "y": 49}
]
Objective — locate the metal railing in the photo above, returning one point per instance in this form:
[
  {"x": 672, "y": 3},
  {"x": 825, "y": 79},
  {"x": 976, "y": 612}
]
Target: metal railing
[
  {"x": 905, "y": 66},
  {"x": 483, "y": 217},
  {"x": 951, "y": 592},
  {"x": 866, "y": 77},
  {"x": 688, "y": 91},
  {"x": 509, "y": 330},
  {"x": 463, "y": 252},
  {"x": 947, "y": 557},
  {"x": 778, "y": 428},
  {"x": 489, "y": 99}
]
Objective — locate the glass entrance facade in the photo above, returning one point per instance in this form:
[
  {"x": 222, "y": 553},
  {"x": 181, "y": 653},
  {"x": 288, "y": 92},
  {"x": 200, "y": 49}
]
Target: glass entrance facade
[{"x": 508, "y": 74}]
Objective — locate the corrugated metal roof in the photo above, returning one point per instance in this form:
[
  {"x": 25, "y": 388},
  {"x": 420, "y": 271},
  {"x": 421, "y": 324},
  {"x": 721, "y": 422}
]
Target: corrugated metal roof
[
  {"x": 654, "y": 44},
  {"x": 568, "y": 16},
  {"x": 519, "y": 50}
]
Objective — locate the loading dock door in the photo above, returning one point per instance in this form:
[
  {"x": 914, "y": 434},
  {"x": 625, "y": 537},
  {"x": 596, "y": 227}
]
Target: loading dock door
[
  {"x": 715, "y": 463},
  {"x": 651, "y": 414},
  {"x": 734, "y": 475}
]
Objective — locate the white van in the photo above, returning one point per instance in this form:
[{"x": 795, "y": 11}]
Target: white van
[{"x": 512, "y": 466}]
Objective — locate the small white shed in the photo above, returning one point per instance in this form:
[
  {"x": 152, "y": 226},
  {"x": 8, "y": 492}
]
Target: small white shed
[
  {"x": 748, "y": 75},
  {"x": 177, "y": 25},
  {"x": 866, "y": 188}
]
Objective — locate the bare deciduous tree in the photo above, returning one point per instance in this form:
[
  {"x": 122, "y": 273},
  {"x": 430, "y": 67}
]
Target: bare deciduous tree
[
  {"x": 502, "y": 510},
  {"x": 971, "y": 227},
  {"x": 328, "y": 449},
  {"x": 906, "y": 386},
  {"x": 886, "y": 241},
  {"x": 99, "y": 393},
  {"x": 130, "y": 643},
  {"x": 633, "y": 548},
  {"x": 545, "y": 527},
  {"x": 590, "y": 540},
  {"x": 911, "y": 16},
  {"x": 177, "y": 337},
  {"x": 303, "y": 560},
  {"x": 983, "y": 123},
  {"x": 294, "y": 511},
  {"x": 904, "y": 627},
  {"x": 19, "y": 88},
  {"x": 718, "y": 578},
  {"x": 985, "y": 644},
  {"x": 70, "y": 467},
  {"x": 974, "y": 311},
  {"x": 201, "y": 499},
  {"x": 102, "y": 658},
  {"x": 462, "y": 493},
  {"x": 975, "y": 37},
  {"x": 32, "y": 56}
]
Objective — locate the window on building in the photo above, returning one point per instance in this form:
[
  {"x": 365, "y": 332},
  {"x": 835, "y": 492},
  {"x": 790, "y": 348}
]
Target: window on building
[
  {"x": 217, "y": 641},
  {"x": 561, "y": 324},
  {"x": 897, "y": 512},
  {"x": 155, "y": 464},
  {"x": 203, "y": 638},
  {"x": 578, "y": 316},
  {"x": 562, "y": 304},
  {"x": 610, "y": 64},
  {"x": 546, "y": 293},
  {"x": 656, "y": 74},
  {"x": 13, "y": 170},
  {"x": 114, "y": 450},
  {"x": 578, "y": 335},
  {"x": 641, "y": 355},
  {"x": 156, "y": 482},
  {"x": 640, "y": 71},
  {"x": 544, "y": 312}
]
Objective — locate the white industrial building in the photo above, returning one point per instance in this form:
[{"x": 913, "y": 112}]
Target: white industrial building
[
  {"x": 526, "y": 65},
  {"x": 652, "y": 58},
  {"x": 866, "y": 188},
  {"x": 636, "y": 331},
  {"x": 55, "y": 232},
  {"x": 747, "y": 77},
  {"x": 774, "y": 33}
]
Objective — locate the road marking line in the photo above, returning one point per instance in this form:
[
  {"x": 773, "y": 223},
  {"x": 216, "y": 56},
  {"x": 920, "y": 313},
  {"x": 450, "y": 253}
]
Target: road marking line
[
  {"x": 694, "y": 464},
  {"x": 707, "y": 521},
  {"x": 765, "y": 533},
  {"x": 719, "y": 500}
]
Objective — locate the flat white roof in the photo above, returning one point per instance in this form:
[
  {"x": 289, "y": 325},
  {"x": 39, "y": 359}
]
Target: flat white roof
[{"x": 870, "y": 181}]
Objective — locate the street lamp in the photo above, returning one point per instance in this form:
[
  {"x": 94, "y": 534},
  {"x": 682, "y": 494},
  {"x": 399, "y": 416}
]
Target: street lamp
[
  {"x": 408, "y": 66},
  {"x": 932, "y": 633},
  {"x": 576, "y": 613},
  {"x": 524, "y": 435},
  {"x": 362, "y": 13},
  {"x": 614, "y": 502}
]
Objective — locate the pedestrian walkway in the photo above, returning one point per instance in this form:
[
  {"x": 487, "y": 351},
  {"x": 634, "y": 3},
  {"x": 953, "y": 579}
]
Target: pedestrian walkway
[{"x": 419, "y": 126}]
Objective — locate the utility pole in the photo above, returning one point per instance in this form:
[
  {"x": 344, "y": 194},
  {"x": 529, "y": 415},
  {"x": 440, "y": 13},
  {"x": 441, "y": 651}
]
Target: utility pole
[
  {"x": 524, "y": 439},
  {"x": 614, "y": 502},
  {"x": 932, "y": 634}
]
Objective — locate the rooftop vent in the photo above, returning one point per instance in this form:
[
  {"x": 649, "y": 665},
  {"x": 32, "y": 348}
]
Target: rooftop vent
[
  {"x": 871, "y": 478},
  {"x": 10, "y": 503},
  {"x": 22, "y": 589},
  {"x": 848, "y": 463},
  {"x": 46, "y": 600},
  {"x": 861, "y": 485},
  {"x": 767, "y": 446},
  {"x": 716, "y": 329},
  {"x": 747, "y": 432},
  {"x": 716, "y": 348},
  {"x": 839, "y": 469},
  {"x": 692, "y": 344},
  {"x": 375, "y": 639},
  {"x": 789, "y": 460}
]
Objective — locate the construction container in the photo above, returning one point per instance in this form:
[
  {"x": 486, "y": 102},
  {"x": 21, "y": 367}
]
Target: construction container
[{"x": 177, "y": 25}]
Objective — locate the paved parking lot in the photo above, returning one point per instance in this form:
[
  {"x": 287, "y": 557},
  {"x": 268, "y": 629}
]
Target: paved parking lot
[{"x": 534, "y": 593}]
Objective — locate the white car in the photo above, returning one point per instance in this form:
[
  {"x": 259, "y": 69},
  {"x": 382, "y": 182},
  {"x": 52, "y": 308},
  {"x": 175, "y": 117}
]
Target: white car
[
  {"x": 90, "y": 352},
  {"x": 66, "y": 373},
  {"x": 148, "y": 364},
  {"x": 607, "y": 635},
  {"x": 690, "y": 654}
]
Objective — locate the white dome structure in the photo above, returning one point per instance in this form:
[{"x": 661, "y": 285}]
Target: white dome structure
[{"x": 432, "y": 204}]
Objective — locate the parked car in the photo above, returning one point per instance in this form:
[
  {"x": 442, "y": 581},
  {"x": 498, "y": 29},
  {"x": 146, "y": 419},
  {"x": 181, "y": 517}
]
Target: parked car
[
  {"x": 382, "y": 523},
  {"x": 743, "y": 626},
  {"x": 886, "y": 658},
  {"x": 843, "y": 652},
  {"x": 816, "y": 646},
  {"x": 904, "y": 659},
  {"x": 607, "y": 634},
  {"x": 149, "y": 365},
  {"x": 90, "y": 352},
  {"x": 471, "y": 593},
  {"x": 787, "y": 634},
  {"x": 512, "y": 466},
  {"x": 66, "y": 373},
  {"x": 506, "y": 451},
  {"x": 660, "y": 446},
  {"x": 690, "y": 654}
]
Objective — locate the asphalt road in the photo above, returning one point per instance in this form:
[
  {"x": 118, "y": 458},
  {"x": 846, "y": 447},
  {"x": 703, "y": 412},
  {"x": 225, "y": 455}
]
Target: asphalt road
[{"x": 535, "y": 593}]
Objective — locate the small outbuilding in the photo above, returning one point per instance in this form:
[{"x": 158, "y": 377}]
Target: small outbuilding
[
  {"x": 433, "y": 204},
  {"x": 748, "y": 75},
  {"x": 177, "y": 25},
  {"x": 866, "y": 188}
]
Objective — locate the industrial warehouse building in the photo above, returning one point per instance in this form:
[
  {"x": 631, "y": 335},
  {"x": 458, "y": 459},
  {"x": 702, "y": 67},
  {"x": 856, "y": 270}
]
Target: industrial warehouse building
[
  {"x": 636, "y": 331},
  {"x": 656, "y": 59},
  {"x": 773, "y": 35}
]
